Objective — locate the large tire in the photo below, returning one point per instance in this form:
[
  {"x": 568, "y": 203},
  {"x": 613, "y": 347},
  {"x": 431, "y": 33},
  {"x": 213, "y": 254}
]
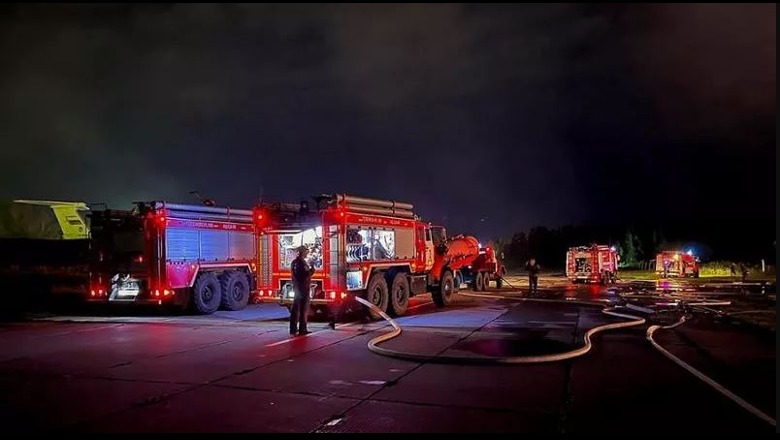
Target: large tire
[
  {"x": 206, "y": 294},
  {"x": 443, "y": 295},
  {"x": 458, "y": 281},
  {"x": 377, "y": 294},
  {"x": 399, "y": 295},
  {"x": 478, "y": 282},
  {"x": 235, "y": 290}
]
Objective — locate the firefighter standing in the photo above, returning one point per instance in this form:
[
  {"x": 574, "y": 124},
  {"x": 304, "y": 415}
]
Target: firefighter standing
[
  {"x": 533, "y": 269},
  {"x": 743, "y": 269},
  {"x": 301, "y": 280}
]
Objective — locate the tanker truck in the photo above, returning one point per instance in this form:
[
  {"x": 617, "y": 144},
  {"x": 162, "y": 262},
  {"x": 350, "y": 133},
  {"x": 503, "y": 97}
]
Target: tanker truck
[{"x": 473, "y": 264}]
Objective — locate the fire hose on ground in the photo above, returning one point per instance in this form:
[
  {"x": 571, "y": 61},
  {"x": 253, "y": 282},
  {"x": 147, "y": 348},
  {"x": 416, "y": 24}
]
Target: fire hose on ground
[
  {"x": 718, "y": 387},
  {"x": 373, "y": 345}
]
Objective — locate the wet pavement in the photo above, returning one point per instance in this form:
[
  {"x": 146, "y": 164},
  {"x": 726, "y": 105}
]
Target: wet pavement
[{"x": 241, "y": 372}]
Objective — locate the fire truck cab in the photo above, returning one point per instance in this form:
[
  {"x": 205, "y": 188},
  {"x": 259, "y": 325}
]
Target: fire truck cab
[
  {"x": 676, "y": 264},
  {"x": 594, "y": 263},
  {"x": 370, "y": 247},
  {"x": 166, "y": 253}
]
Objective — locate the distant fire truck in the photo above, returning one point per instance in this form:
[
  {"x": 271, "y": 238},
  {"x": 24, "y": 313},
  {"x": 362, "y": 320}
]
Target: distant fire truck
[
  {"x": 676, "y": 264},
  {"x": 473, "y": 264},
  {"x": 377, "y": 248},
  {"x": 166, "y": 253},
  {"x": 594, "y": 263}
]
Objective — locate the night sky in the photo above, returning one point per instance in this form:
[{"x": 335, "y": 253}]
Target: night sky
[{"x": 489, "y": 118}]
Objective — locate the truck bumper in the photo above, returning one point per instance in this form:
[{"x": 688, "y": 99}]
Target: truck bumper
[
  {"x": 585, "y": 278},
  {"x": 316, "y": 301}
]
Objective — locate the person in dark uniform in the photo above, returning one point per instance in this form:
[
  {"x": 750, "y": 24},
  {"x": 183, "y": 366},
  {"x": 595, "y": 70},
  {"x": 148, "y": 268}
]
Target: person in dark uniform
[
  {"x": 533, "y": 269},
  {"x": 744, "y": 271},
  {"x": 301, "y": 280}
]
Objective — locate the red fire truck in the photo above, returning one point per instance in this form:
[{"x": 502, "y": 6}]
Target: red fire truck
[
  {"x": 474, "y": 264},
  {"x": 377, "y": 248},
  {"x": 676, "y": 264},
  {"x": 594, "y": 263},
  {"x": 166, "y": 253}
]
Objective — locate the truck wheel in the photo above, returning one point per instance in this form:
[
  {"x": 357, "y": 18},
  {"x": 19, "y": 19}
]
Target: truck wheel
[
  {"x": 376, "y": 294},
  {"x": 207, "y": 294},
  {"x": 443, "y": 295},
  {"x": 478, "y": 282},
  {"x": 399, "y": 295},
  {"x": 235, "y": 290},
  {"x": 458, "y": 281}
]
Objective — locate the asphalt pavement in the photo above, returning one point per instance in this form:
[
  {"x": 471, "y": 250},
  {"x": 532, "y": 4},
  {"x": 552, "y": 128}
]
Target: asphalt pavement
[{"x": 241, "y": 372}]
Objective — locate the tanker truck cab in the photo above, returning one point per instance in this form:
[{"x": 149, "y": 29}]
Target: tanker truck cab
[
  {"x": 472, "y": 263},
  {"x": 374, "y": 248},
  {"x": 435, "y": 244}
]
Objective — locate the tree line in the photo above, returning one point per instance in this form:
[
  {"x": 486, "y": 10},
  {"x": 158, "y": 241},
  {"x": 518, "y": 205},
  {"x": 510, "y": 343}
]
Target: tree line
[{"x": 736, "y": 240}]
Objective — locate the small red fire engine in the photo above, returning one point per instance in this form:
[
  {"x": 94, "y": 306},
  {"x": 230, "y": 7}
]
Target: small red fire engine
[
  {"x": 676, "y": 264},
  {"x": 594, "y": 263}
]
